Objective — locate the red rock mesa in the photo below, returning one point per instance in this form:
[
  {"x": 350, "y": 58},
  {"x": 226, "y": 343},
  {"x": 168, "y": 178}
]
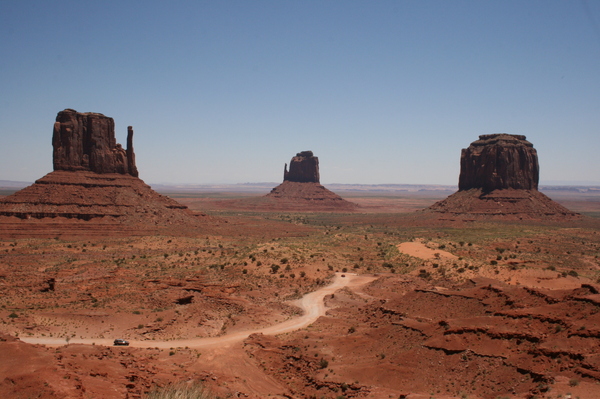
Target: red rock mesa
[
  {"x": 499, "y": 176},
  {"x": 301, "y": 187},
  {"x": 94, "y": 180}
]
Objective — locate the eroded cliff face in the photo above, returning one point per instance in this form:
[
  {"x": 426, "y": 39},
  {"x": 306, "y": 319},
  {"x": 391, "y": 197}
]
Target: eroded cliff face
[
  {"x": 499, "y": 176},
  {"x": 499, "y": 161},
  {"x": 94, "y": 179},
  {"x": 304, "y": 168},
  {"x": 86, "y": 142}
]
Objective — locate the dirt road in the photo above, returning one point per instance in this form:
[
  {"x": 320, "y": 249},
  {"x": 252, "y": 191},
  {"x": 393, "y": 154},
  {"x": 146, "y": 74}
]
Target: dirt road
[{"x": 312, "y": 305}]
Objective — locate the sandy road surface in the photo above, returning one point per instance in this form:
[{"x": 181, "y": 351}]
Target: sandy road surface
[
  {"x": 420, "y": 250},
  {"x": 312, "y": 305}
]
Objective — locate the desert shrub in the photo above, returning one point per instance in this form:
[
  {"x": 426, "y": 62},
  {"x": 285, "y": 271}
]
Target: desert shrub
[
  {"x": 424, "y": 274},
  {"x": 323, "y": 363},
  {"x": 574, "y": 382},
  {"x": 573, "y": 273},
  {"x": 284, "y": 261},
  {"x": 13, "y": 315},
  {"x": 181, "y": 391},
  {"x": 493, "y": 262}
]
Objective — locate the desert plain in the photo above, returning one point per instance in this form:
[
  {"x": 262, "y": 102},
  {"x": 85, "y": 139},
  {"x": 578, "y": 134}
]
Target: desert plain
[{"x": 420, "y": 306}]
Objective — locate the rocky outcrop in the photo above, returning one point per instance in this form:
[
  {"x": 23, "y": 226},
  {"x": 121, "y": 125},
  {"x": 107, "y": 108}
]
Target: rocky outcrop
[
  {"x": 304, "y": 168},
  {"x": 499, "y": 161},
  {"x": 94, "y": 189},
  {"x": 301, "y": 190},
  {"x": 86, "y": 141},
  {"x": 499, "y": 176}
]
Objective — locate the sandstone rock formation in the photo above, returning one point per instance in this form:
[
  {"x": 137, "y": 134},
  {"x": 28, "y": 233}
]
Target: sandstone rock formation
[
  {"x": 499, "y": 177},
  {"x": 86, "y": 141},
  {"x": 499, "y": 161},
  {"x": 304, "y": 168},
  {"x": 301, "y": 189},
  {"x": 94, "y": 180}
]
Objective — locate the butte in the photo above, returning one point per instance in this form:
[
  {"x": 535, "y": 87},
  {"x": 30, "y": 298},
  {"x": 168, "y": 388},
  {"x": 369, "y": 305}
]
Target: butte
[
  {"x": 301, "y": 189},
  {"x": 499, "y": 176},
  {"x": 93, "y": 190}
]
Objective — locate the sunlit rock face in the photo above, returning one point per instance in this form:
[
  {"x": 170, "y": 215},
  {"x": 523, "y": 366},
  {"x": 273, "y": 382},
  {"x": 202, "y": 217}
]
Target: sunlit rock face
[
  {"x": 86, "y": 141},
  {"x": 499, "y": 176},
  {"x": 499, "y": 161},
  {"x": 304, "y": 168}
]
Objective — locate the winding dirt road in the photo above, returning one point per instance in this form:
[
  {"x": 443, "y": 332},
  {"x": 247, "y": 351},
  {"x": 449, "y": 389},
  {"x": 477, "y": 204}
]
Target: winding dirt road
[{"x": 312, "y": 305}]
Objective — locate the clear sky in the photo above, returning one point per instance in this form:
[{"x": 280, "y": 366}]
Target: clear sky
[{"x": 228, "y": 91}]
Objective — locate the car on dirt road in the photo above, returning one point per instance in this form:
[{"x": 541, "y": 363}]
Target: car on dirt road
[{"x": 120, "y": 342}]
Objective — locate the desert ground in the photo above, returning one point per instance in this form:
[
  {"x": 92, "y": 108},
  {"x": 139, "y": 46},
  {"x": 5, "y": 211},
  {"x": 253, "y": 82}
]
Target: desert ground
[{"x": 382, "y": 302}]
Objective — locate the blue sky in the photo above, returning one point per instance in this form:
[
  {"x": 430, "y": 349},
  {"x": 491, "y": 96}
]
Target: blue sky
[{"x": 228, "y": 91}]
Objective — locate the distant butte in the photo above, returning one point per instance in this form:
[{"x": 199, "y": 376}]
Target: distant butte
[
  {"x": 94, "y": 188},
  {"x": 304, "y": 168},
  {"x": 499, "y": 176},
  {"x": 301, "y": 187}
]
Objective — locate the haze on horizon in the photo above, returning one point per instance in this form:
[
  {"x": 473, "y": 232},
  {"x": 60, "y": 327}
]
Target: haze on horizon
[{"x": 382, "y": 92}]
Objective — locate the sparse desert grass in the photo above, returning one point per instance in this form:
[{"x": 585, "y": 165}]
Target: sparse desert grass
[
  {"x": 181, "y": 390},
  {"x": 131, "y": 287}
]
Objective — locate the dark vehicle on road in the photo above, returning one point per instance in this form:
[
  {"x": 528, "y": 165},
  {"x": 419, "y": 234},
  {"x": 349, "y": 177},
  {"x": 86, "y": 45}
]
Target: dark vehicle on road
[{"x": 120, "y": 342}]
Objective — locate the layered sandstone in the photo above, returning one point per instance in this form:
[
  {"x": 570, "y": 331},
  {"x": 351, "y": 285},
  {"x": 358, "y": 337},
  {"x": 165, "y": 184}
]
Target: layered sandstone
[
  {"x": 86, "y": 141},
  {"x": 499, "y": 176},
  {"x": 499, "y": 161},
  {"x": 304, "y": 168},
  {"x": 94, "y": 180},
  {"x": 301, "y": 189}
]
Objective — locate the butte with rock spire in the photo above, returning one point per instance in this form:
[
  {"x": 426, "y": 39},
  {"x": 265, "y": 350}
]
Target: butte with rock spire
[
  {"x": 93, "y": 190},
  {"x": 301, "y": 187}
]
